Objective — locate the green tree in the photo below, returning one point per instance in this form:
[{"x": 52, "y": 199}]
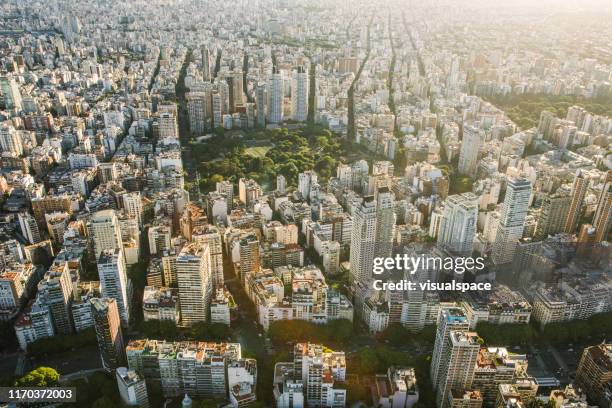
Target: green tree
[{"x": 39, "y": 377}]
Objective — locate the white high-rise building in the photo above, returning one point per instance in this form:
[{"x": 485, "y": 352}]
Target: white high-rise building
[
  {"x": 299, "y": 94},
  {"x": 473, "y": 140},
  {"x": 132, "y": 388},
  {"x": 318, "y": 368},
  {"x": 114, "y": 282},
  {"x": 450, "y": 319},
  {"x": 460, "y": 364},
  {"x": 10, "y": 90},
  {"x": 281, "y": 184},
  {"x": 193, "y": 273},
  {"x": 363, "y": 236},
  {"x": 132, "y": 204},
  {"x": 276, "y": 96},
  {"x": 29, "y": 228},
  {"x": 512, "y": 220},
  {"x": 458, "y": 224},
  {"x": 104, "y": 232},
  {"x": 385, "y": 222},
  {"x": 305, "y": 182},
  {"x": 10, "y": 139}
]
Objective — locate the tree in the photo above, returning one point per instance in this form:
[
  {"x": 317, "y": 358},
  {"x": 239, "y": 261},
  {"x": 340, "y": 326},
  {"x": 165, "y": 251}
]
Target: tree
[{"x": 39, "y": 377}]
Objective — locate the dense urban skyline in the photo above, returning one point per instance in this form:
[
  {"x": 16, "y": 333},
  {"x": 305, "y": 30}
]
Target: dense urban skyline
[{"x": 208, "y": 203}]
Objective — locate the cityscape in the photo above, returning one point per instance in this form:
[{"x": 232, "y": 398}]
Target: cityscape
[{"x": 291, "y": 204}]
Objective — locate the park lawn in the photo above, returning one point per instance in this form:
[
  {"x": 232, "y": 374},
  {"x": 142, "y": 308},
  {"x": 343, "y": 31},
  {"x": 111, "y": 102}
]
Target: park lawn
[{"x": 258, "y": 151}]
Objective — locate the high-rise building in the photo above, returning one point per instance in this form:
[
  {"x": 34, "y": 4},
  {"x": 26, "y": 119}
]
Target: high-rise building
[
  {"x": 385, "y": 221},
  {"x": 276, "y": 96},
  {"x": 132, "y": 388},
  {"x": 580, "y": 187},
  {"x": 497, "y": 366},
  {"x": 10, "y": 139},
  {"x": 55, "y": 291},
  {"x": 10, "y": 90},
  {"x": 197, "y": 106},
  {"x": 57, "y": 223},
  {"x": 250, "y": 260},
  {"x": 29, "y": 228},
  {"x": 554, "y": 214},
  {"x": 104, "y": 232},
  {"x": 511, "y": 223},
  {"x": 168, "y": 126},
  {"x": 299, "y": 94},
  {"x": 209, "y": 235},
  {"x": 193, "y": 272},
  {"x": 132, "y": 205},
  {"x": 450, "y": 319},
  {"x": 458, "y": 224},
  {"x": 205, "y": 64},
  {"x": 248, "y": 191},
  {"x": 114, "y": 283},
  {"x": 260, "y": 101},
  {"x": 457, "y": 373},
  {"x": 473, "y": 140},
  {"x": 594, "y": 372},
  {"x": 105, "y": 314},
  {"x": 603, "y": 214},
  {"x": 237, "y": 92},
  {"x": 319, "y": 369},
  {"x": 363, "y": 245},
  {"x": 305, "y": 181},
  {"x": 201, "y": 369}
]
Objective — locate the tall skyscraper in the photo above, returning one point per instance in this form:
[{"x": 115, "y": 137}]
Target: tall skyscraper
[
  {"x": 10, "y": 90},
  {"x": 209, "y": 235},
  {"x": 363, "y": 241},
  {"x": 276, "y": 96},
  {"x": 198, "y": 104},
  {"x": 132, "y": 205},
  {"x": 299, "y": 94},
  {"x": 105, "y": 315},
  {"x": 10, "y": 139},
  {"x": 473, "y": 140},
  {"x": 451, "y": 319},
  {"x": 104, "y": 232},
  {"x": 205, "y": 64},
  {"x": 168, "y": 126},
  {"x": 603, "y": 215},
  {"x": 458, "y": 224},
  {"x": 460, "y": 365},
  {"x": 385, "y": 221},
  {"x": 579, "y": 190},
  {"x": 554, "y": 214},
  {"x": 193, "y": 273},
  {"x": 250, "y": 261},
  {"x": 29, "y": 228},
  {"x": 114, "y": 283},
  {"x": 594, "y": 373},
  {"x": 260, "y": 101},
  {"x": 237, "y": 89},
  {"x": 511, "y": 223},
  {"x": 55, "y": 291}
]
